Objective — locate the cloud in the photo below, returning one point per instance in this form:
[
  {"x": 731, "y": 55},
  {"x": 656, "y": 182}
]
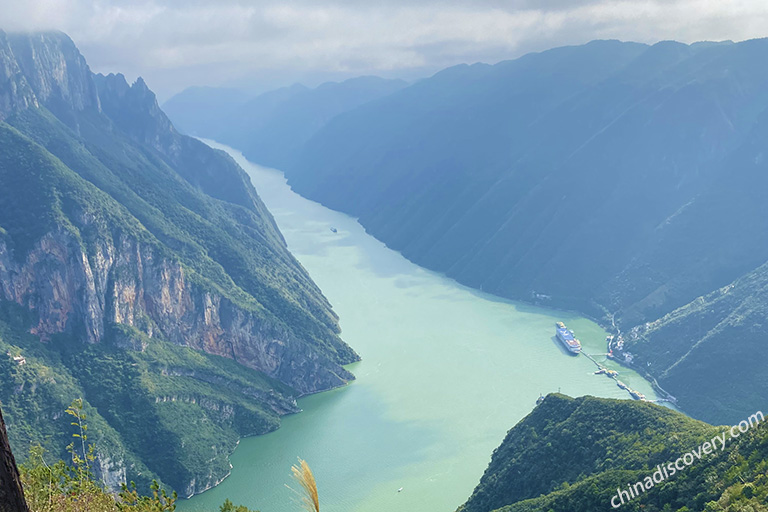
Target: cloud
[{"x": 174, "y": 43}]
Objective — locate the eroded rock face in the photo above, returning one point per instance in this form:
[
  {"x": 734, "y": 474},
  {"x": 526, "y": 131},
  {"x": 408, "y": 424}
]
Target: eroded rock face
[
  {"x": 108, "y": 247},
  {"x": 110, "y": 471},
  {"x": 15, "y": 93},
  {"x": 126, "y": 282},
  {"x": 134, "y": 108},
  {"x": 54, "y": 70}
]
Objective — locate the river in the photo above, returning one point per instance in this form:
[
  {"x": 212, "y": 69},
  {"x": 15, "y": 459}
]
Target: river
[{"x": 445, "y": 372}]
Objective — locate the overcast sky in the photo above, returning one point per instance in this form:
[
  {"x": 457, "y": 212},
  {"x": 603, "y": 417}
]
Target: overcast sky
[{"x": 259, "y": 44}]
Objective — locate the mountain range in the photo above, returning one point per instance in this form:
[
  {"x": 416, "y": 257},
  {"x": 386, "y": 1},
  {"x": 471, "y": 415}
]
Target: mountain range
[
  {"x": 140, "y": 270},
  {"x": 272, "y": 127},
  {"x": 622, "y": 180}
]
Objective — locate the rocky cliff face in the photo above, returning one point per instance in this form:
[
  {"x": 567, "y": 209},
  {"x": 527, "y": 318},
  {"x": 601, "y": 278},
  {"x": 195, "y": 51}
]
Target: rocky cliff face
[
  {"x": 15, "y": 93},
  {"x": 56, "y": 72},
  {"x": 135, "y": 109},
  {"x": 126, "y": 282},
  {"x": 140, "y": 270}
]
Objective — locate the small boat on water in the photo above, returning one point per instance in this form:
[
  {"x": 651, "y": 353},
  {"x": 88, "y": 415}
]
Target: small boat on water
[
  {"x": 540, "y": 399},
  {"x": 400, "y": 490},
  {"x": 334, "y": 230}
]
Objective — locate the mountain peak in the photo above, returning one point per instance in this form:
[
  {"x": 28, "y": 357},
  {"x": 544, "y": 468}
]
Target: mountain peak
[
  {"x": 54, "y": 70},
  {"x": 141, "y": 85},
  {"x": 116, "y": 82},
  {"x": 134, "y": 109}
]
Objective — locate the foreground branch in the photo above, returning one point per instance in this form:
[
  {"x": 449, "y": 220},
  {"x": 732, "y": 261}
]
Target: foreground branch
[{"x": 11, "y": 494}]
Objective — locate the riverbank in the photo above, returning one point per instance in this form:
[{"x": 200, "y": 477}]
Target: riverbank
[{"x": 446, "y": 370}]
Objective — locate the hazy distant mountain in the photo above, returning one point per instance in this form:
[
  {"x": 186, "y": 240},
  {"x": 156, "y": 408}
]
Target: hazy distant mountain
[
  {"x": 711, "y": 352},
  {"x": 613, "y": 178},
  {"x": 560, "y": 173},
  {"x": 620, "y": 179},
  {"x": 202, "y": 106},
  {"x": 271, "y": 128},
  {"x": 140, "y": 270}
]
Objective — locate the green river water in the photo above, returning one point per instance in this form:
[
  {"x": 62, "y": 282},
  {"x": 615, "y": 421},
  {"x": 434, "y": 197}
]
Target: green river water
[{"x": 446, "y": 371}]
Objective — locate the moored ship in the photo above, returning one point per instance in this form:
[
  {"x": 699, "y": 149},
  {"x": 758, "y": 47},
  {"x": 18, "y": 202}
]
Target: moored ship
[{"x": 567, "y": 338}]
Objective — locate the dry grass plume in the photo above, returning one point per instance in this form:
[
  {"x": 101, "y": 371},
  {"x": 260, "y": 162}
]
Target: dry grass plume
[{"x": 303, "y": 475}]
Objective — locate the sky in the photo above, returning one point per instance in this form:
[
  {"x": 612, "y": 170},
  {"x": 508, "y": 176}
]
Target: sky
[{"x": 258, "y": 45}]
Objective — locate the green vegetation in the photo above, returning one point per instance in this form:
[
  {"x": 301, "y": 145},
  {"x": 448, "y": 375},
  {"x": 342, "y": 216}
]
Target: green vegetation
[
  {"x": 570, "y": 173},
  {"x": 132, "y": 258},
  {"x": 72, "y": 486},
  {"x": 58, "y": 370},
  {"x": 232, "y": 250},
  {"x": 571, "y": 177},
  {"x": 571, "y": 455},
  {"x": 157, "y": 411},
  {"x": 228, "y": 506},
  {"x": 719, "y": 334}
]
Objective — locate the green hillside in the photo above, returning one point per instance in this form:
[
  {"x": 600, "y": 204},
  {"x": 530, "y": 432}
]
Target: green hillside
[
  {"x": 140, "y": 271},
  {"x": 719, "y": 334},
  {"x": 572, "y": 455}
]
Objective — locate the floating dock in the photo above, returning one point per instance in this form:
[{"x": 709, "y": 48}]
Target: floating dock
[{"x": 613, "y": 374}]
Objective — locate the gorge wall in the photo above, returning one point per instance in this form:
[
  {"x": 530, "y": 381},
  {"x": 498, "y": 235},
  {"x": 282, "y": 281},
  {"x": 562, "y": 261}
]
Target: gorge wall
[{"x": 140, "y": 270}]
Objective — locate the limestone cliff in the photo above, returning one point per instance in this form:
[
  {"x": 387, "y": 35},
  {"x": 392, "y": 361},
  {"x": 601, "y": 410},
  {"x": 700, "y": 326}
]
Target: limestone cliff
[
  {"x": 15, "y": 93},
  {"x": 140, "y": 270},
  {"x": 126, "y": 282},
  {"x": 50, "y": 65}
]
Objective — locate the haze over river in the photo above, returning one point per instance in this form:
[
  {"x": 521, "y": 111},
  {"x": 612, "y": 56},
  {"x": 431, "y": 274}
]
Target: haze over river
[{"x": 446, "y": 371}]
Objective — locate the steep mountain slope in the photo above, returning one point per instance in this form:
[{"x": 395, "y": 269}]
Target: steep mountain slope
[
  {"x": 695, "y": 350},
  {"x": 140, "y": 270},
  {"x": 618, "y": 179},
  {"x": 558, "y": 173},
  {"x": 719, "y": 334},
  {"x": 271, "y": 128},
  {"x": 574, "y": 454}
]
